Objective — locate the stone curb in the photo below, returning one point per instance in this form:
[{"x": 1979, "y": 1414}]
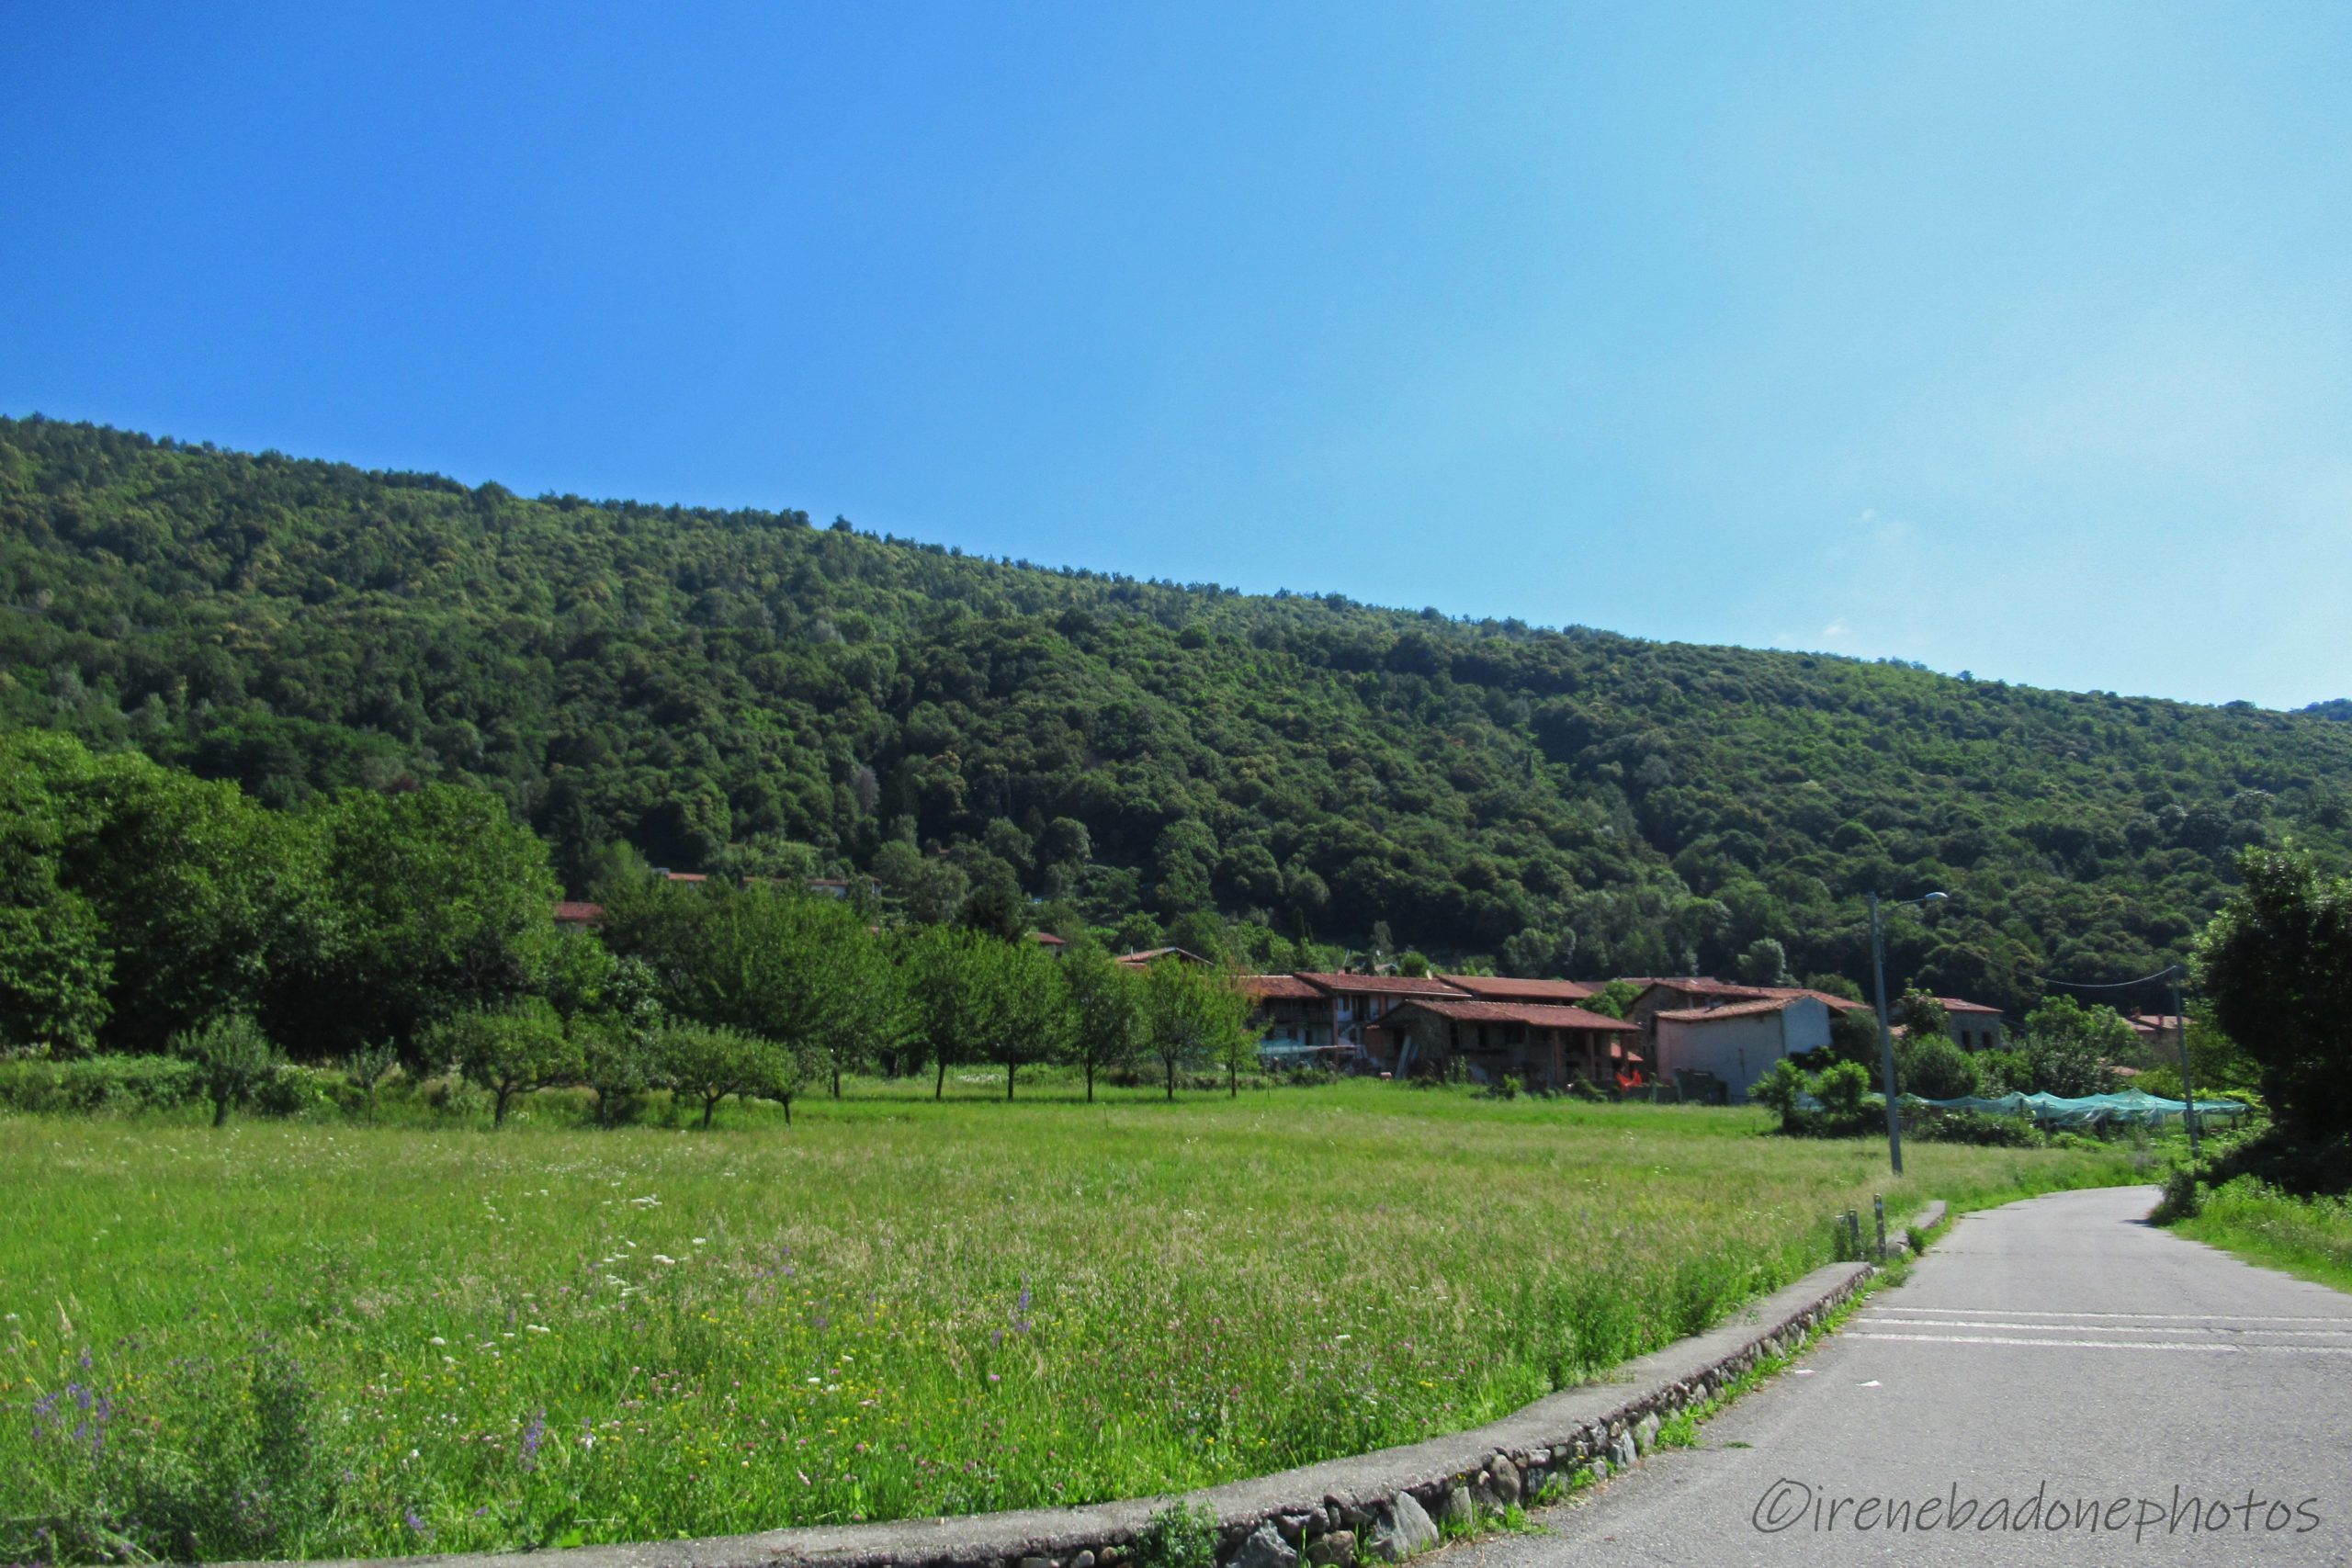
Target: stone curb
[{"x": 1385, "y": 1500}]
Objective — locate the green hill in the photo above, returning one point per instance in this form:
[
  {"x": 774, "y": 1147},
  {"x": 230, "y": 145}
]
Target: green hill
[{"x": 746, "y": 692}]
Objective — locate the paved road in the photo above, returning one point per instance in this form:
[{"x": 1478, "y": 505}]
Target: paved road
[{"x": 2057, "y": 1347}]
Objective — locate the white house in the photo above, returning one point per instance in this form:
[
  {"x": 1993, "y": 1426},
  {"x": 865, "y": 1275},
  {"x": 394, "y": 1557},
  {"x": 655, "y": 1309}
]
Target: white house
[{"x": 1739, "y": 1042}]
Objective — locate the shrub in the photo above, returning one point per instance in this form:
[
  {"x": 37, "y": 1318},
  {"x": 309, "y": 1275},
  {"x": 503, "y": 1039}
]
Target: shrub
[
  {"x": 1178, "y": 1536},
  {"x": 1934, "y": 1068},
  {"x": 1780, "y": 1090},
  {"x": 233, "y": 1060},
  {"x": 100, "y": 1083},
  {"x": 509, "y": 1051},
  {"x": 1930, "y": 1125},
  {"x": 1841, "y": 1089}
]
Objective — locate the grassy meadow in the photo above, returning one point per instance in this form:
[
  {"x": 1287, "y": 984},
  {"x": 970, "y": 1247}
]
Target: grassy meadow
[
  {"x": 2307, "y": 1236},
  {"x": 330, "y": 1338}
]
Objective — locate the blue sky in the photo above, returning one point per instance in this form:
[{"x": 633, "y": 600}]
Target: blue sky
[{"x": 2013, "y": 339}]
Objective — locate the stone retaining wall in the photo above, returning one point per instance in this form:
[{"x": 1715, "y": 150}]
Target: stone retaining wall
[{"x": 1387, "y": 1501}]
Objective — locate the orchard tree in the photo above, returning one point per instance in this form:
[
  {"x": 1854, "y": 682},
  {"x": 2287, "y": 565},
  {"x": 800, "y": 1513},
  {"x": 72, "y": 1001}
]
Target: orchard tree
[
  {"x": 509, "y": 1051},
  {"x": 1194, "y": 1015},
  {"x": 2068, "y": 1046},
  {"x": 1106, "y": 1009},
  {"x": 233, "y": 1060}
]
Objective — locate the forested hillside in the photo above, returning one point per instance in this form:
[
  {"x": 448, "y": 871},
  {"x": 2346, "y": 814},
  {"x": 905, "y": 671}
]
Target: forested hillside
[{"x": 748, "y": 692}]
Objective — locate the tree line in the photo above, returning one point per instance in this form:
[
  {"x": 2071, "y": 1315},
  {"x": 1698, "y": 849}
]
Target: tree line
[{"x": 147, "y": 910}]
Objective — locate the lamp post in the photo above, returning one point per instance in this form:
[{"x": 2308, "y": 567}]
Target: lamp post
[{"x": 1885, "y": 1039}]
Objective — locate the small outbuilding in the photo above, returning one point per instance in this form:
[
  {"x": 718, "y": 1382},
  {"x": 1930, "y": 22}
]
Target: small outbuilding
[{"x": 1543, "y": 1045}]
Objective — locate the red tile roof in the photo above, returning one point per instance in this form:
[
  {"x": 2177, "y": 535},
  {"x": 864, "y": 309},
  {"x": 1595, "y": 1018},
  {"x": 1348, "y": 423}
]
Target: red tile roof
[
  {"x": 1149, "y": 954},
  {"x": 1504, "y": 987},
  {"x": 578, "y": 912},
  {"x": 1730, "y": 1010},
  {"x": 1534, "y": 1013},
  {"x": 1279, "y": 988},
  {"x": 1700, "y": 985},
  {"x": 1953, "y": 1004},
  {"x": 1384, "y": 985},
  {"x": 1046, "y": 939}
]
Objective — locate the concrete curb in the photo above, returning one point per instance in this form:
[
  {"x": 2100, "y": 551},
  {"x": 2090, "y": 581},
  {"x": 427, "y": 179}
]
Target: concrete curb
[
  {"x": 1901, "y": 1244},
  {"x": 1385, "y": 1499}
]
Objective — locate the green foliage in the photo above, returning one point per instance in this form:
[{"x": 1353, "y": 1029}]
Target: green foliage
[
  {"x": 2069, "y": 1047},
  {"x": 232, "y": 1059},
  {"x": 1778, "y": 1091},
  {"x": 1180, "y": 1535},
  {"x": 1613, "y": 999},
  {"x": 1841, "y": 1088},
  {"x": 1934, "y": 1068},
  {"x": 1854, "y": 1037},
  {"x": 2276, "y": 966},
  {"x": 367, "y": 1068},
  {"x": 1195, "y": 1016},
  {"x": 708, "y": 1064},
  {"x": 1922, "y": 1016},
  {"x": 732, "y": 690},
  {"x": 507, "y": 1052},
  {"x": 1106, "y": 1009}
]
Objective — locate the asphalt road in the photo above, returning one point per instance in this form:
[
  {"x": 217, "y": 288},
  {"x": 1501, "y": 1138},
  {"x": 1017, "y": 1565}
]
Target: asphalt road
[{"x": 2166, "y": 1402}]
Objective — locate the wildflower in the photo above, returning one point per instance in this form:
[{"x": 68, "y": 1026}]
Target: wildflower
[
  {"x": 436, "y": 1339},
  {"x": 532, "y": 1436}
]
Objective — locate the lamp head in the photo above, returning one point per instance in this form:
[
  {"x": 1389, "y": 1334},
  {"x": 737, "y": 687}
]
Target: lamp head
[{"x": 1934, "y": 898}]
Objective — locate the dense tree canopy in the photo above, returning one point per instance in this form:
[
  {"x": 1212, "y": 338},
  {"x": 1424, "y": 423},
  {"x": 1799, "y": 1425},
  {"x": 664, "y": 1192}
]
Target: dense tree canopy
[{"x": 738, "y": 692}]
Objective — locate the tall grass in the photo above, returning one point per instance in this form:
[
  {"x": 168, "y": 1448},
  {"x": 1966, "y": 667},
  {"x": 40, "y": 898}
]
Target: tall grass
[
  {"x": 305, "y": 1339},
  {"x": 2310, "y": 1236}
]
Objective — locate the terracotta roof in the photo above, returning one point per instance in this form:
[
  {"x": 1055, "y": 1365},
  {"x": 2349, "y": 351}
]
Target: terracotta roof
[
  {"x": 1279, "y": 988},
  {"x": 1149, "y": 954},
  {"x": 1730, "y": 1010},
  {"x": 1385, "y": 985},
  {"x": 1046, "y": 939},
  {"x": 1504, "y": 987},
  {"x": 1534, "y": 1013},
  {"x": 1699, "y": 986},
  {"x": 2166, "y": 1021},
  {"x": 576, "y": 911},
  {"x": 685, "y": 876},
  {"x": 1953, "y": 1004}
]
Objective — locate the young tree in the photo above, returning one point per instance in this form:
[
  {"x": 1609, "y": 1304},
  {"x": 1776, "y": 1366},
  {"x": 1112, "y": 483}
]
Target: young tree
[
  {"x": 233, "y": 1059},
  {"x": 367, "y": 1068},
  {"x": 2277, "y": 963},
  {"x": 706, "y": 1063},
  {"x": 970, "y": 992},
  {"x": 1192, "y": 1015},
  {"x": 1779, "y": 1090},
  {"x": 1106, "y": 1018},
  {"x": 616, "y": 1062},
  {"x": 509, "y": 1051}
]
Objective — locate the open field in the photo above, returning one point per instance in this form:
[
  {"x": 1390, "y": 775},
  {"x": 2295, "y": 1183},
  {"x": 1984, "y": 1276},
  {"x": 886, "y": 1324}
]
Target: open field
[{"x": 305, "y": 1339}]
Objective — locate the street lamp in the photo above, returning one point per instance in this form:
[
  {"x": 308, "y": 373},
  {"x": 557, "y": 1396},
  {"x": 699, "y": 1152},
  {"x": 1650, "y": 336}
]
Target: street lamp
[{"x": 1886, "y": 1040}]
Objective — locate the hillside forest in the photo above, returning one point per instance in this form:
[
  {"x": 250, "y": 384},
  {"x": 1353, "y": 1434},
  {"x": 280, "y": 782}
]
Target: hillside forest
[{"x": 755, "y": 693}]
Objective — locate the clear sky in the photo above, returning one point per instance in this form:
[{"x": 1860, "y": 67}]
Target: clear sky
[{"x": 2014, "y": 338}]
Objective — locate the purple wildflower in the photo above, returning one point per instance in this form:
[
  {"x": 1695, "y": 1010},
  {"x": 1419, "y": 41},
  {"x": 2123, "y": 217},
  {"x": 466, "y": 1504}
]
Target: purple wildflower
[
  {"x": 532, "y": 1437},
  {"x": 417, "y": 1522}
]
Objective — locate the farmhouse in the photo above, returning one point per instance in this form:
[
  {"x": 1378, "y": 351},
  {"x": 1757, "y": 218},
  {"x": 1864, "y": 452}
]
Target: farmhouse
[
  {"x": 1543, "y": 1045},
  {"x": 1294, "y": 1017},
  {"x": 1357, "y": 1001},
  {"x": 1735, "y": 1044},
  {"x": 1975, "y": 1026}
]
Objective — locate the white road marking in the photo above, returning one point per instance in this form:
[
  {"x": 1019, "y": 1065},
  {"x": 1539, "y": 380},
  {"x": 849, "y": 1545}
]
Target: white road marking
[
  {"x": 2135, "y": 1316},
  {"x": 2214, "y": 1327},
  {"x": 2210, "y": 1346}
]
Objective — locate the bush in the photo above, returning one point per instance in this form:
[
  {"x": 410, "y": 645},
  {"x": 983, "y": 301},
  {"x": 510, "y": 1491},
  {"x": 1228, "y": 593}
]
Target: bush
[
  {"x": 1927, "y": 1125},
  {"x": 99, "y": 1083},
  {"x": 1780, "y": 1090},
  {"x": 1934, "y": 1068},
  {"x": 1178, "y": 1536},
  {"x": 1841, "y": 1089}
]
